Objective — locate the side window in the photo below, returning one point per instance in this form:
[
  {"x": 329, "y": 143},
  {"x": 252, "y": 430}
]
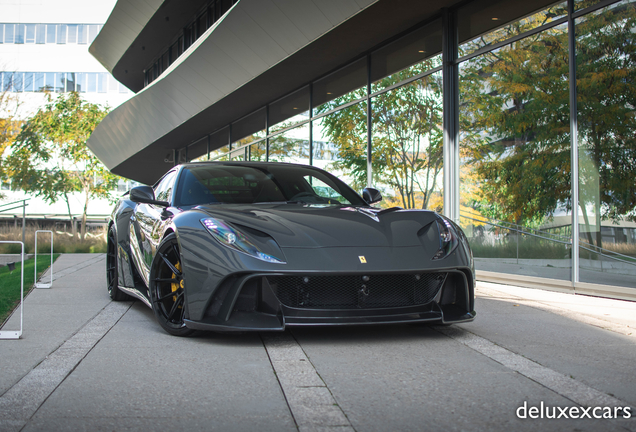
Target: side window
[
  {"x": 163, "y": 189},
  {"x": 324, "y": 190}
]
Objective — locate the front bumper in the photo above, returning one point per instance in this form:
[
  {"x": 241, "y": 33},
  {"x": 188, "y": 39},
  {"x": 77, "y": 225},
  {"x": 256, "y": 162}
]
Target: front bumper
[{"x": 258, "y": 302}]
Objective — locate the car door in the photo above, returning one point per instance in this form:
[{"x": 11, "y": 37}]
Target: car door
[{"x": 146, "y": 224}]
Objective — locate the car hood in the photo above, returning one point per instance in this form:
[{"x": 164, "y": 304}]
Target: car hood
[{"x": 311, "y": 226}]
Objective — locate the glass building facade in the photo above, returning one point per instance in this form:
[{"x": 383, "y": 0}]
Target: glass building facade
[{"x": 523, "y": 133}]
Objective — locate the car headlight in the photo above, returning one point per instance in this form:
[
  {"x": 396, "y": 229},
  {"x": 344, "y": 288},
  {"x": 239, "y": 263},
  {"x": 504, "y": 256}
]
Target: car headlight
[
  {"x": 447, "y": 238},
  {"x": 235, "y": 239}
]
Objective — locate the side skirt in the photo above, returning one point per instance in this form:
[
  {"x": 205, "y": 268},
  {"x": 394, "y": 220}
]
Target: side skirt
[{"x": 135, "y": 293}]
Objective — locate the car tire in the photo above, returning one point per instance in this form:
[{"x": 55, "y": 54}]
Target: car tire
[
  {"x": 167, "y": 290},
  {"x": 112, "y": 268}
]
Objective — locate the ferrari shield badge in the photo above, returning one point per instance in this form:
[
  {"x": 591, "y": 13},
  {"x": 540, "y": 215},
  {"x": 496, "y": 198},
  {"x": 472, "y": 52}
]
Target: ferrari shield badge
[{"x": 363, "y": 260}]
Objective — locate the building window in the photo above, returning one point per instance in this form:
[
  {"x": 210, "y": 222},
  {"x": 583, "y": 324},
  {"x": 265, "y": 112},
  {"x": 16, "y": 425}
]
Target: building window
[
  {"x": 60, "y": 82},
  {"x": 61, "y": 33},
  {"x": 40, "y": 33},
  {"x": 11, "y": 33},
  {"x": 51, "y": 31}
]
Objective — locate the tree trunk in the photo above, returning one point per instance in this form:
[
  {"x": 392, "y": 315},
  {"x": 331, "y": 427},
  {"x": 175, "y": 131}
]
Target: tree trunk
[
  {"x": 83, "y": 231},
  {"x": 587, "y": 227},
  {"x": 70, "y": 215}
]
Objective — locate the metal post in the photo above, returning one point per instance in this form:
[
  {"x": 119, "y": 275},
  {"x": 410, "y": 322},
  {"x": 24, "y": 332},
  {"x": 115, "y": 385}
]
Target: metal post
[
  {"x": 35, "y": 278},
  {"x": 450, "y": 78},
  {"x": 311, "y": 124},
  {"x": 267, "y": 133},
  {"x": 369, "y": 127},
  {"x": 574, "y": 145},
  {"x": 208, "y": 146},
  {"x": 23, "y": 221},
  {"x": 12, "y": 334}
]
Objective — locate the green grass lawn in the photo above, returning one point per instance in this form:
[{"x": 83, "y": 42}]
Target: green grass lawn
[{"x": 10, "y": 282}]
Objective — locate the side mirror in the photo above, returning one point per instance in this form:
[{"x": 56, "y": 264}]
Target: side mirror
[
  {"x": 145, "y": 195},
  {"x": 371, "y": 195}
]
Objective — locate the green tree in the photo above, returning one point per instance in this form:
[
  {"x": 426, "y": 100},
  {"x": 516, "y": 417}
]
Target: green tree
[
  {"x": 9, "y": 123},
  {"x": 516, "y": 102},
  {"x": 407, "y": 137},
  {"x": 49, "y": 157},
  {"x": 518, "y": 97}
]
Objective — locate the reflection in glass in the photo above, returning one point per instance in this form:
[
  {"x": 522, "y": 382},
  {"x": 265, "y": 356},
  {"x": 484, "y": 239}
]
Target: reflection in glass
[
  {"x": 249, "y": 128},
  {"x": 606, "y": 71},
  {"x": 344, "y": 85},
  {"x": 290, "y": 146},
  {"x": 238, "y": 154},
  {"x": 515, "y": 28},
  {"x": 405, "y": 58},
  {"x": 582, "y": 4},
  {"x": 220, "y": 154},
  {"x": 219, "y": 144},
  {"x": 515, "y": 200},
  {"x": 408, "y": 144},
  {"x": 289, "y": 111},
  {"x": 258, "y": 151},
  {"x": 340, "y": 144}
]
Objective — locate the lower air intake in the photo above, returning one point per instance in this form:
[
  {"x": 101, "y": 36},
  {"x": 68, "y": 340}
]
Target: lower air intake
[{"x": 357, "y": 291}]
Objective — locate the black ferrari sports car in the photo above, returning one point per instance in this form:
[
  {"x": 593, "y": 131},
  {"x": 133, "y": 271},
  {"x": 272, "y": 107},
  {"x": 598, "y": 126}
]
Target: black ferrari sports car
[{"x": 261, "y": 246}]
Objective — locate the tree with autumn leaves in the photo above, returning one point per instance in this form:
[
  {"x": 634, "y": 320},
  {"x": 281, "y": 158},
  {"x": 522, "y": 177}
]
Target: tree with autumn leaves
[
  {"x": 9, "y": 122},
  {"x": 514, "y": 125},
  {"x": 517, "y": 97},
  {"x": 407, "y": 137},
  {"x": 49, "y": 157}
]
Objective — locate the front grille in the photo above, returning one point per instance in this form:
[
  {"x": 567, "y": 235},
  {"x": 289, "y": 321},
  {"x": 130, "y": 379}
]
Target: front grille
[{"x": 356, "y": 291}]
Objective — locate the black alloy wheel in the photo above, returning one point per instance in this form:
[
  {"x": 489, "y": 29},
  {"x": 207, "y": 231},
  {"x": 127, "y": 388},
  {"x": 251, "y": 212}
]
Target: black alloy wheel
[
  {"x": 167, "y": 288},
  {"x": 112, "y": 271}
]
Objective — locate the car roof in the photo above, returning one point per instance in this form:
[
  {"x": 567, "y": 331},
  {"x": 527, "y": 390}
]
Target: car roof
[{"x": 247, "y": 164}]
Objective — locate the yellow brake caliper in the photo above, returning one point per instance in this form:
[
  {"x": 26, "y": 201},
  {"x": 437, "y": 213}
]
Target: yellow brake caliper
[{"x": 175, "y": 286}]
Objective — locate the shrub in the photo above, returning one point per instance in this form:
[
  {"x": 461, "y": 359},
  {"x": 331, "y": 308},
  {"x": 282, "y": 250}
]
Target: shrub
[{"x": 63, "y": 242}]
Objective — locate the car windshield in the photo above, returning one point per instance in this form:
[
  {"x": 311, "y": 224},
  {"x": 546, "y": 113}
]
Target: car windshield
[{"x": 249, "y": 184}]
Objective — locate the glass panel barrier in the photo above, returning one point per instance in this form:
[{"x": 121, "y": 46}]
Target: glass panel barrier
[
  {"x": 290, "y": 146},
  {"x": 515, "y": 155},
  {"x": 340, "y": 144},
  {"x": 606, "y": 71},
  {"x": 408, "y": 144}
]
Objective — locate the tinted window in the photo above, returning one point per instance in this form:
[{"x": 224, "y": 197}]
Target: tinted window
[
  {"x": 163, "y": 188},
  {"x": 237, "y": 184}
]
